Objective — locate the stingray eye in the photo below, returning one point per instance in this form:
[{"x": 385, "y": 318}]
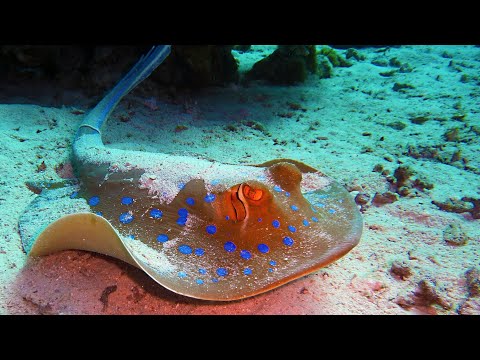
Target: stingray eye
[{"x": 252, "y": 194}]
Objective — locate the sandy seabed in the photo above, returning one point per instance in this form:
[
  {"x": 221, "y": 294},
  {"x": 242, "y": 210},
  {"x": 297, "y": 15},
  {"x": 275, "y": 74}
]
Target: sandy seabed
[{"x": 346, "y": 126}]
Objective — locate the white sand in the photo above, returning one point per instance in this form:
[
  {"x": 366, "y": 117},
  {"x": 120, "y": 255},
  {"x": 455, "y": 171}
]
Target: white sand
[{"x": 354, "y": 101}]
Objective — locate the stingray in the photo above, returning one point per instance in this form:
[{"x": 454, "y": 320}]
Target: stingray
[{"x": 200, "y": 228}]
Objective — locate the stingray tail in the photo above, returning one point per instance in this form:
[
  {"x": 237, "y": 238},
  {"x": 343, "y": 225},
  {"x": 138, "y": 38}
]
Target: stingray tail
[{"x": 94, "y": 120}]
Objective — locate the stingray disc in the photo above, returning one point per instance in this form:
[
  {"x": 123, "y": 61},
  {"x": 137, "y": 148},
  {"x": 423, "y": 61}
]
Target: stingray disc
[{"x": 214, "y": 240}]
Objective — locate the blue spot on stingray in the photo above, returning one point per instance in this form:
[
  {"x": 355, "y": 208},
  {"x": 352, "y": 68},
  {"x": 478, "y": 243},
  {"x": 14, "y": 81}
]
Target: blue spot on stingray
[
  {"x": 126, "y": 218},
  {"x": 313, "y": 209},
  {"x": 245, "y": 254},
  {"x": 270, "y": 270},
  {"x": 182, "y": 221},
  {"x": 74, "y": 195},
  {"x": 222, "y": 272},
  {"x": 209, "y": 198},
  {"x": 229, "y": 246},
  {"x": 263, "y": 248},
  {"x": 227, "y": 217},
  {"x": 199, "y": 281},
  {"x": 131, "y": 237},
  {"x": 292, "y": 228},
  {"x": 215, "y": 182},
  {"x": 277, "y": 188},
  {"x": 259, "y": 219},
  {"x": 182, "y": 212},
  {"x": 287, "y": 194},
  {"x": 156, "y": 213},
  {"x": 247, "y": 271},
  {"x": 294, "y": 207},
  {"x": 288, "y": 241},
  {"x": 126, "y": 200},
  {"x": 273, "y": 262},
  {"x": 99, "y": 213},
  {"x": 314, "y": 219},
  {"x": 190, "y": 201},
  {"x": 182, "y": 274},
  {"x": 185, "y": 249},
  {"x": 331, "y": 211},
  {"x": 199, "y": 251},
  {"x": 320, "y": 205},
  {"x": 202, "y": 271},
  {"x": 211, "y": 229},
  {"x": 162, "y": 238},
  {"x": 215, "y": 280},
  {"x": 305, "y": 222},
  {"x": 276, "y": 223},
  {"x": 94, "y": 201},
  {"x": 181, "y": 186}
]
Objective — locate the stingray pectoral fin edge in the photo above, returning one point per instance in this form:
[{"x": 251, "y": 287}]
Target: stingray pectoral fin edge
[{"x": 82, "y": 231}]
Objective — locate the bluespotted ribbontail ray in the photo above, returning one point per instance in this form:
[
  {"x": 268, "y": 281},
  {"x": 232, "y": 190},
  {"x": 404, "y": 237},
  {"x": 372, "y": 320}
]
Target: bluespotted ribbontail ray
[{"x": 200, "y": 228}]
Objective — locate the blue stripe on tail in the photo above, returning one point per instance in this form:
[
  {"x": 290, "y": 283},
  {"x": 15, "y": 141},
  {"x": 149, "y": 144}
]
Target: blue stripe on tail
[{"x": 140, "y": 71}]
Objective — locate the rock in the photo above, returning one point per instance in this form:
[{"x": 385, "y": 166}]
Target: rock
[{"x": 455, "y": 235}]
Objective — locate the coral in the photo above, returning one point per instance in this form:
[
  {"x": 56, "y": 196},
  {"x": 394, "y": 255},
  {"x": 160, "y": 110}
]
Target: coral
[
  {"x": 362, "y": 198},
  {"x": 401, "y": 270},
  {"x": 402, "y": 87},
  {"x": 452, "y": 135},
  {"x": 427, "y": 293},
  {"x": 455, "y": 235},
  {"x": 394, "y": 62},
  {"x": 423, "y": 152},
  {"x": 287, "y": 65},
  {"x": 385, "y": 198},
  {"x": 380, "y": 62},
  {"x": 465, "y": 205},
  {"x": 419, "y": 120},
  {"x": 324, "y": 69},
  {"x": 255, "y": 125},
  {"x": 351, "y": 52},
  {"x": 180, "y": 128},
  {"x": 473, "y": 282},
  {"x": 397, "y": 125},
  {"x": 198, "y": 66},
  {"x": 402, "y": 174},
  {"x": 403, "y": 183},
  {"x": 335, "y": 59},
  {"x": 388, "y": 73},
  {"x": 405, "y": 68},
  {"x": 242, "y": 48}
]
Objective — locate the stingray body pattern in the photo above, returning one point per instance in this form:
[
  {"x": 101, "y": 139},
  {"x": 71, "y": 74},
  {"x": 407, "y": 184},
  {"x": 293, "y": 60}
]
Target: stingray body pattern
[{"x": 200, "y": 228}]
